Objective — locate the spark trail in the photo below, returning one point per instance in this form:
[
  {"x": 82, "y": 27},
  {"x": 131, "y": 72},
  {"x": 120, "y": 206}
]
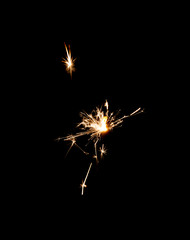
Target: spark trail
[
  {"x": 83, "y": 185},
  {"x": 69, "y": 61}
]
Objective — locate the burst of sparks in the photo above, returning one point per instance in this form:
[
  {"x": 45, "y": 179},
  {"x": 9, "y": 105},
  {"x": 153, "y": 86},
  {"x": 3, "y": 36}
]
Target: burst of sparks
[
  {"x": 94, "y": 125},
  {"x": 97, "y": 123},
  {"x": 69, "y": 61}
]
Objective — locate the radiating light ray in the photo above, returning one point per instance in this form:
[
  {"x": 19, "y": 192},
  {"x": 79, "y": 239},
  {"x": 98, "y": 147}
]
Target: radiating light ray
[
  {"x": 139, "y": 110},
  {"x": 120, "y": 120},
  {"x": 69, "y": 61},
  {"x": 73, "y": 142},
  {"x": 83, "y": 185},
  {"x": 86, "y": 153}
]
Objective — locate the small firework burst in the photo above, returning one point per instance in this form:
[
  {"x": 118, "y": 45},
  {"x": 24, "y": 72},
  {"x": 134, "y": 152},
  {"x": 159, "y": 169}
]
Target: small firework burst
[{"x": 69, "y": 61}]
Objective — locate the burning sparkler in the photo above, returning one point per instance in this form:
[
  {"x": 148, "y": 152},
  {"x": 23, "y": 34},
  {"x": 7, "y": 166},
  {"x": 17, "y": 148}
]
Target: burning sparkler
[
  {"x": 69, "y": 61},
  {"x": 94, "y": 125},
  {"x": 98, "y": 123}
]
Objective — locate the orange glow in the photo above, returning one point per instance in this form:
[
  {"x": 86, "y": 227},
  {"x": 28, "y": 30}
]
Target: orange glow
[{"x": 103, "y": 126}]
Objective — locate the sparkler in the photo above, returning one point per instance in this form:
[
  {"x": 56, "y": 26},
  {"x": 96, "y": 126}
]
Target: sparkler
[
  {"x": 98, "y": 123},
  {"x": 69, "y": 61},
  {"x": 94, "y": 125}
]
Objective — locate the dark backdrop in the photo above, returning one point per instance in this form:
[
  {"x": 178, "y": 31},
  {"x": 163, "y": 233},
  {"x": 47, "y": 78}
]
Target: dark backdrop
[{"x": 124, "y": 62}]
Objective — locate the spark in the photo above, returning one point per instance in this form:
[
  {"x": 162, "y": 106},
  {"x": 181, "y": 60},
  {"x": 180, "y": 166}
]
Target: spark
[
  {"x": 103, "y": 150},
  {"x": 69, "y": 61},
  {"x": 107, "y": 107},
  {"x": 83, "y": 185}
]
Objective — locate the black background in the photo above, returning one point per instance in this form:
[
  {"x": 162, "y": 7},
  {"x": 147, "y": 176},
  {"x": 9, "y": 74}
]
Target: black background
[{"x": 124, "y": 59}]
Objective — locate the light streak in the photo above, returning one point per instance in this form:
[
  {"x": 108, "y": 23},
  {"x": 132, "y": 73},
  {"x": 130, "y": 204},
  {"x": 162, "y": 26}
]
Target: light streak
[
  {"x": 69, "y": 61},
  {"x": 83, "y": 185},
  {"x": 73, "y": 142}
]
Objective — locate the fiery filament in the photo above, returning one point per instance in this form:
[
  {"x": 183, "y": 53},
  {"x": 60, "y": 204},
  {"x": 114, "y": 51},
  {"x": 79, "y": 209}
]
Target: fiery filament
[
  {"x": 83, "y": 185},
  {"x": 69, "y": 61}
]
